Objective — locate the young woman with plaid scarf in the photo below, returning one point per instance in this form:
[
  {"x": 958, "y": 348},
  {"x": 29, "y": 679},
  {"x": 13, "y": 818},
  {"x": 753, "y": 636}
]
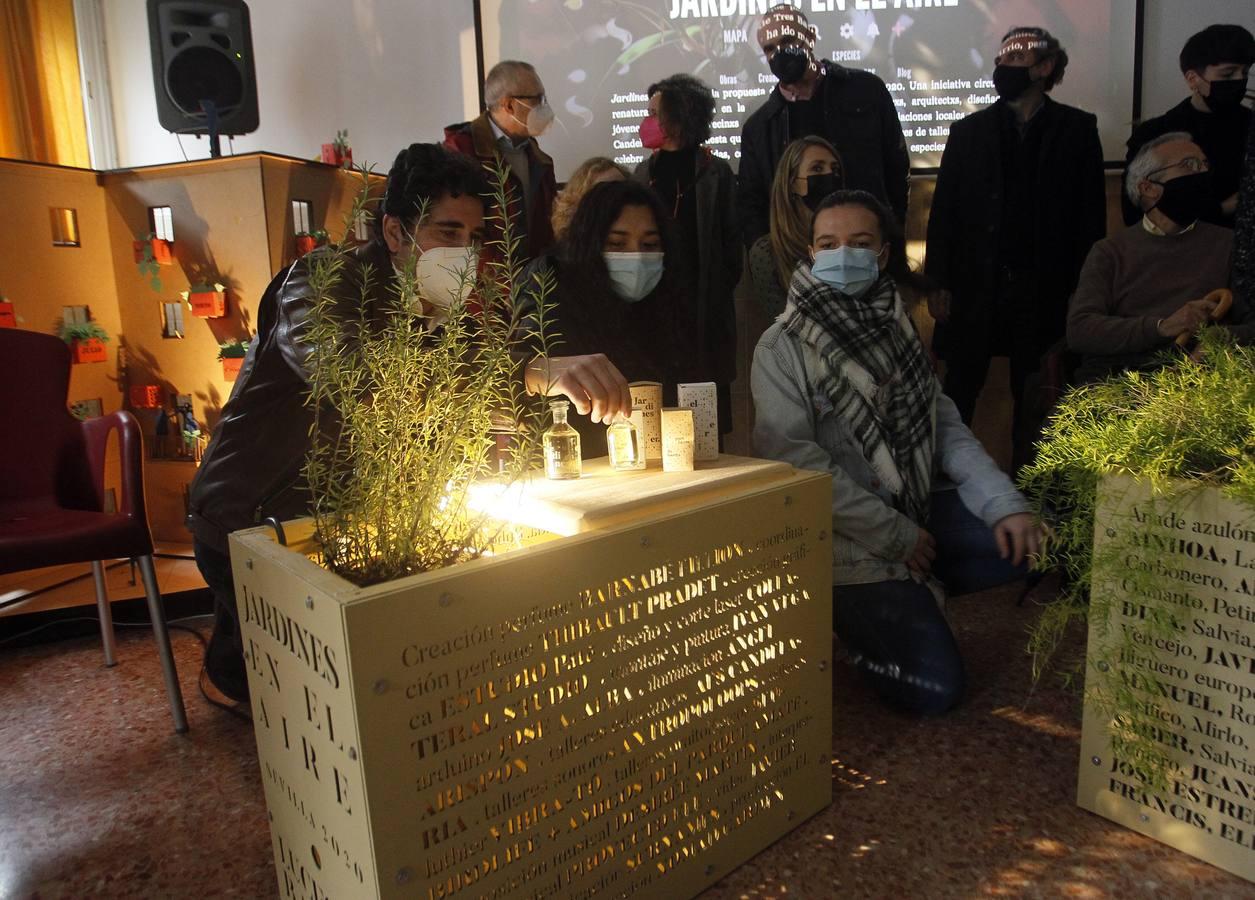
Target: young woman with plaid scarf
[{"x": 842, "y": 383}]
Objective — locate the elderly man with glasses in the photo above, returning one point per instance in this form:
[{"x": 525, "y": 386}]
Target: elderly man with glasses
[
  {"x": 1144, "y": 287},
  {"x": 516, "y": 113}
]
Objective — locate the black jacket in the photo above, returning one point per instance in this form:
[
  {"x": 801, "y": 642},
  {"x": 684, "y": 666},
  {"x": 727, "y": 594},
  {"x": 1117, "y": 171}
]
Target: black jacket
[
  {"x": 1068, "y": 215},
  {"x": 861, "y": 123},
  {"x": 712, "y": 310},
  {"x": 251, "y": 469}
]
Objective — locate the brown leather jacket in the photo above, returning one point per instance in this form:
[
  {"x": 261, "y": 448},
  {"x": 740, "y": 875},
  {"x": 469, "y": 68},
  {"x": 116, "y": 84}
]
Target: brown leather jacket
[{"x": 252, "y": 467}]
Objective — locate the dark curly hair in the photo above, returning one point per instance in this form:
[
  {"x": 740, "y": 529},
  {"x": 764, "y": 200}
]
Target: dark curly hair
[
  {"x": 424, "y": 174},
  {"x": 1217, "y": 44},
  {"x": 1047, "y": 47},
  {"x": 598, "y": 211},
  {"x": 687, "y": 106}
]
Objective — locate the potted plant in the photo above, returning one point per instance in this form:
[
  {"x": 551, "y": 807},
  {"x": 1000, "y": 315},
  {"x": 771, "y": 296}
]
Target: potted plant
[
  {"x": 87, "y": 341},
  {"x": 208, "y": 301},
  {"x": 8, "y": 318},
  {"x": 307, "y": 241},
  {"x": 338, "y": 152},
  {"x": 152, "y": 252},
  {"x": 232, "y": 354}
]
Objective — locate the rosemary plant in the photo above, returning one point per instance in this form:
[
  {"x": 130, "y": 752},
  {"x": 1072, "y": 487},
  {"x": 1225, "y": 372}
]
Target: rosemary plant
[
  {"x": 405, "y": 413},
  {"x": 1187, "y": 425}
]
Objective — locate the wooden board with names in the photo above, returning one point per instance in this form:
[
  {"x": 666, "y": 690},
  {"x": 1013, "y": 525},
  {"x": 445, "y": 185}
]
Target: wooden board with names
[
  {"x": 1177, "y": 577},
  {"x": 632, "y": 710}
]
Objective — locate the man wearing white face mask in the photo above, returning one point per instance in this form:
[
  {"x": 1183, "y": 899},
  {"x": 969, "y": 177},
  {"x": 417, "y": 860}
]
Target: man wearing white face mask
[
  {"x": 516, "y": 113},
  {"x": 431, "y": 217}
]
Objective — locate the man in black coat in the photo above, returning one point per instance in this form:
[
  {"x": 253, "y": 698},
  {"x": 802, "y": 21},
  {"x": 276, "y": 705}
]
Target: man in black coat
[
  {"x": 1020, "y": 200},
  {"x": 850, "y": 108}
]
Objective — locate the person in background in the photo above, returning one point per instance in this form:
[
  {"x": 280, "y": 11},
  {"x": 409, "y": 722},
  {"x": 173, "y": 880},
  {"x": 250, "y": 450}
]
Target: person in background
[
  {"x": 1145, "y": 286},
  {"x": 850, "y": 108},
  {"x": 516, "y": 115},
  {"x": 842, "y": 384},
  {"x": 616, "y": 287},
  {"x": 809, "y": 171},
  {"x": 1020, "y": 199},
  {"x": 1216, "y": 64},
  {"x": 698, "y": 194},
  {"x": 252, "y": 468},
  {"x": 590, "y": 172}
]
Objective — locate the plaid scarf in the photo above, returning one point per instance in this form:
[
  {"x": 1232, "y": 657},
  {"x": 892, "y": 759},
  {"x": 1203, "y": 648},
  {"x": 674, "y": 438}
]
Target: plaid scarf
[{"x": 874, "y": 371}]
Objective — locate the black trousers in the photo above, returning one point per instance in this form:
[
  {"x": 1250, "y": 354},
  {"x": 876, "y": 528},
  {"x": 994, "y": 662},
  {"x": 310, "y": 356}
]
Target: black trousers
[{"x": 224, "y": 657}]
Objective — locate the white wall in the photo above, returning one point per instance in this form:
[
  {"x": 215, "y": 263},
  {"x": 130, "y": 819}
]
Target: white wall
[
  {"x": 390, "y": 72},
  {"x": 1168, "y": 24}
]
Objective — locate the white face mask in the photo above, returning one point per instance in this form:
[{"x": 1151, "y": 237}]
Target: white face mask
[
  {"x": 539, "y": 118},
  {"x": 446, "y": 275},
  {"x": 634, "y": 275}
]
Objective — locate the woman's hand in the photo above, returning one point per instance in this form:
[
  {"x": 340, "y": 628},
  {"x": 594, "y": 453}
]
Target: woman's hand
[
  {"x": 922, "y": 555},
  {"x": 591, "y": 382},
  {"x": 1019, "y": 537}
]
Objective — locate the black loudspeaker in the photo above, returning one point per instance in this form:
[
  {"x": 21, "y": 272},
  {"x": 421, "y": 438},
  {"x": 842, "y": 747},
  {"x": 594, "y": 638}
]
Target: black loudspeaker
[{"x": 203, "y": 67}]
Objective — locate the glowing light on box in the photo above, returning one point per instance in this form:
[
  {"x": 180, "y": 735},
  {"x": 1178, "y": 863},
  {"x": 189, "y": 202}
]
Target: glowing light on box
[{"x": 677, "y": 440}]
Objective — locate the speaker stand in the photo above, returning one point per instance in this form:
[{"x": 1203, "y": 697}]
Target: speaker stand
[{"x": 211, "y": 126}]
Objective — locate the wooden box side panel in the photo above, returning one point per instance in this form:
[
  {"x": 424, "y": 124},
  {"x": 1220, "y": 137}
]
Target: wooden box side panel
[
  {"x": 1192, "y": 673},
  {"x": 303, "y": 718},
  {"x": 633, "y": 711}
]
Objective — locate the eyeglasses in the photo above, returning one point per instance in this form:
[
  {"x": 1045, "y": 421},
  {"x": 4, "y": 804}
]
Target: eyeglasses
[
  {"x": 539, "y": 99},
  {"x": 1191, "y": 164}
]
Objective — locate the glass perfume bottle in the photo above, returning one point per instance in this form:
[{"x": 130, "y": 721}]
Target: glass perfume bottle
[
  {"x": 623, "y": 441},
  {"x": 562, "y": 445}
]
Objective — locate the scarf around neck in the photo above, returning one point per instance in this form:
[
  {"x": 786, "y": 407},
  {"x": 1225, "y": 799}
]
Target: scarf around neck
[{"x": 874, "y": 371}]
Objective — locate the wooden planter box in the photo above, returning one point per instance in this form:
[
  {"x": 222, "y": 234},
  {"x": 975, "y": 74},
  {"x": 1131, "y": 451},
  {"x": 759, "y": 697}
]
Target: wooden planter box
[
  {"x": 208, "y": 304},
  {"x": 146, "y": 396},
  {"x": 162, "y": 251},
  {"x": 8, "y": 318},
  {"x": 231, "y": 367},
  {"x": 91, "y": 350},
  {"x": 635, "y": 700},
  {"x": 1195, "y": 692}
]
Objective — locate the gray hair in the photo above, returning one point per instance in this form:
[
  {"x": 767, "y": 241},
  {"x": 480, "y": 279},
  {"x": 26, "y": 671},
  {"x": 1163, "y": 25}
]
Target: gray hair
[
  {"x": 503, "y": 78},
  {"x": 1147, "y": 161}
]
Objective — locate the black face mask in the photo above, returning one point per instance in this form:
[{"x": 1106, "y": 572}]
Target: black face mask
[
  {"x": 1225, "y": 95},
  {"x": 790, "y": 64},
  {"x": 1011, "y": 81},
  {"x": 1188, "y": 198},
  {"x": 820, "y": 186}
]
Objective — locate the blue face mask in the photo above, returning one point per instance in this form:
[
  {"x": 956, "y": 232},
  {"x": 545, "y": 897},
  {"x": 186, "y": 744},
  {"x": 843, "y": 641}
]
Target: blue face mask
[
  {"x": 634, "y": 275},
  {"x": 851, "y": 270}
]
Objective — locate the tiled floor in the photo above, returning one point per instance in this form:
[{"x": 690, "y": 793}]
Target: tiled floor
[{"x": 98, "y": 798}]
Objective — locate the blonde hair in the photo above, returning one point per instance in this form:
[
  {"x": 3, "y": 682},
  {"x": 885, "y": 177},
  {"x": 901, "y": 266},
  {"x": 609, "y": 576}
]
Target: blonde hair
[
  {"x": 790, "y": 216},
  {"x": 590, "y": 172}
]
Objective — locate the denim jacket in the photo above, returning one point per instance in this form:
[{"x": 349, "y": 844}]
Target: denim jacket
[{"x": 871, "y": 539}]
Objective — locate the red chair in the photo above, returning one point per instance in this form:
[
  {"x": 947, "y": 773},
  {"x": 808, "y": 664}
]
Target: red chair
[{"x": 52, "y": 491}]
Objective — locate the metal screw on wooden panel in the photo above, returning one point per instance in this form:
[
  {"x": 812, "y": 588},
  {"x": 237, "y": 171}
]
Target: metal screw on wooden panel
[
  {"x": 404, "y": 875},
  {"x": 353, "y": 753},
  {"x": 823, "y": 665},
  {"x": 1102, "y": 666},
  {"x": 1096, "y": 760},
  {"x": 445, "y": 599},
  {"x": 710, "y": 870},
  {"x": 644, "y": 542},
  {"x": 790, "y": 815},
  {"x": 788, "y": 500},
  {"x": 381, "y": 686},
  {"x": 1144, "y": 817},
  {"x": 309, "y": 602},
  {"x": 823, "y": 535},
  {"x": 248, "y": 564}
]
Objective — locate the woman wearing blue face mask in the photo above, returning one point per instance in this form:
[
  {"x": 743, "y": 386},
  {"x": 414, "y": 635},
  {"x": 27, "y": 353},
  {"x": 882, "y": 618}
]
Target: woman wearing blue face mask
[
  {"x": 842, "y": 384},
  {"x": 615, "y": 292}
]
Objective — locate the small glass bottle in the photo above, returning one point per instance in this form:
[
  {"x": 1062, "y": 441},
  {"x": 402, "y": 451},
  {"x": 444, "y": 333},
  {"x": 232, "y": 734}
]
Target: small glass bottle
[
  {"x": 562, "y": 445},
  {"x": 623, "y": 442}
]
